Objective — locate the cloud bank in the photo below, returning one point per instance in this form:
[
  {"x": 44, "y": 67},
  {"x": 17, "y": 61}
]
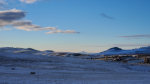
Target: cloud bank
[{"x": 15, "y": 17}]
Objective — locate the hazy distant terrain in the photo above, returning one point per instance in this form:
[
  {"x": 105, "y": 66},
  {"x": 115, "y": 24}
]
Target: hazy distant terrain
[
  {"x": 16, "y": 65},
  {"x": 119, "y": 51}
]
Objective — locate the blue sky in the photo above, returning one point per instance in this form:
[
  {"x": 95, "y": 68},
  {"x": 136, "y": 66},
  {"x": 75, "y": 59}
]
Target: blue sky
[{"x": 95, "y": 25}]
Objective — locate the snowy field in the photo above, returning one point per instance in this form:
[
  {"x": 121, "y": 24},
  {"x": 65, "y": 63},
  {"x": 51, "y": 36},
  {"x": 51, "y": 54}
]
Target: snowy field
[{"x": 15, "y": 68}]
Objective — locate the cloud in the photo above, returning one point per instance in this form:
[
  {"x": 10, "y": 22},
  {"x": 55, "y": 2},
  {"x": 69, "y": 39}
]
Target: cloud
[
  {"x": 7, "y": 4},
  {"x": 7, "y": 17},
  {"x": 131, "y": 45},
  {"x": 106, "y": 16},
  {"x": 137, "y": 36},
  {"x": 15, "y": 17},
  {"x": 10, "y": 15},
  {"x": 3, "y": 3},
  {"x": 28, "y": 26},
  {"x": 61, "y": 31},
  {"x": 28, "y": 1}
]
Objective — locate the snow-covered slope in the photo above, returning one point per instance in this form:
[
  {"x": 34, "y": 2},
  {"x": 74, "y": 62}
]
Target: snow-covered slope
[
  {"x": 119, "y": 51},
  {"x": 25, "y": 51},
  {"x": 16, "y": 64}
]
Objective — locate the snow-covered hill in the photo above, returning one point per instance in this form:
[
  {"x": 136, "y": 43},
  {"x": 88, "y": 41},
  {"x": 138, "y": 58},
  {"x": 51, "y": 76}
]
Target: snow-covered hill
[
  {"x": 24, "y": 51},
  {"x": 119, "y": 51},
  {"x": 16, "y": 65}
]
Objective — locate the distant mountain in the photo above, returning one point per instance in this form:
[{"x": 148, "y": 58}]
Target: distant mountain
[
  {"x": 24, "y": 51},
  {"x": 117, "y": 51},
  {"x": 111, "y": 51}
]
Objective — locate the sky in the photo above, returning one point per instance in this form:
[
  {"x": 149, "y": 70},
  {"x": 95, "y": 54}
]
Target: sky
[{"x": 75, "y": 25}]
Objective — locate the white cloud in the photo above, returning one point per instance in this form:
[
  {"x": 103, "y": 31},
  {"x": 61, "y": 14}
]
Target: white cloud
[
  {"x": 28, "y": 1},
  {"x": 28, "y": 26},
  {"x": 15, "y": 17},
  {"x": 61, "y": 31}
]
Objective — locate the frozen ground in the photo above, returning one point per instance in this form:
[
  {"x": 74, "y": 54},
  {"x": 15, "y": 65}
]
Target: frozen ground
[{"x": 15, "y": 69}]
